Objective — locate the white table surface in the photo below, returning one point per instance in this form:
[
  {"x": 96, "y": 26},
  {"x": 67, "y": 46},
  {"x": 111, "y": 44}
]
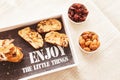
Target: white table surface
[
  {"x": 104, "y": 65},
  {"x": 110, "y": 8}
]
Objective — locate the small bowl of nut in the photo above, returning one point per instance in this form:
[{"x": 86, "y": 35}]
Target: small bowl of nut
[
  {"x": 89, "y": 42},
  {"x": 77, "y": 13}
]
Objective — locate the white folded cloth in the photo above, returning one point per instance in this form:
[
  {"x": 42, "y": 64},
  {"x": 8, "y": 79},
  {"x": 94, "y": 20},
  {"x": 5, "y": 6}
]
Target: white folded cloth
[{"x": 110, "y": 9}]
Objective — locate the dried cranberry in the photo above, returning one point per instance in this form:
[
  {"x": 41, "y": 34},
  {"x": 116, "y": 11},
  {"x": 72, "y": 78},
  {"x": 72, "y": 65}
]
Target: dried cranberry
[
  {"x": 76, "y": 17},
  {"x": 77, "y": 12}
]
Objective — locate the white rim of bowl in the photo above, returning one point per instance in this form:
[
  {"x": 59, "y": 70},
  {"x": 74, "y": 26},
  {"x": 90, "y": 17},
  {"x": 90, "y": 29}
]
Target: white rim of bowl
[
  {"x": 74, "y": 21},
  {"x": 89, "y": 52}
]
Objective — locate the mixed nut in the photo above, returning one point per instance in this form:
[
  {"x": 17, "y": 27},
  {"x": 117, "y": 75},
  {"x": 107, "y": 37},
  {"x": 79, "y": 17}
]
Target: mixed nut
[{"x": 89, "y": 41}]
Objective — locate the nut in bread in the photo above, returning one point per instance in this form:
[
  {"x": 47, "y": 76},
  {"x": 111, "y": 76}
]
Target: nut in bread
[
  {"x": 32, "y": 37},
  {"x": 49, "y": 25},
  {"x": 10, "y": 52},
  {"x": 57, "y": 38}
]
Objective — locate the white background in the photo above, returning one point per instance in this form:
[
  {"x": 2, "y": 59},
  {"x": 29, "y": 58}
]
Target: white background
[{"x": 105, "y": 66}]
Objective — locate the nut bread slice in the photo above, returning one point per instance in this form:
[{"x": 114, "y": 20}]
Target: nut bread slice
[
  {"x": 49, "y": 25},
  {"x": 10, "y": 52},
  {"x": 57, "y": 38},
  {"x": 32, "y": 37}
]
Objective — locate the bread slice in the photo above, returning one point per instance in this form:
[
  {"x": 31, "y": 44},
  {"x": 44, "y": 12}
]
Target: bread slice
[
  {"x": 32, "y": 37},
  {"x": 57, "y": 38},
  {"x": 49, "y": 25},
  {"x": 10, "y": 52}
]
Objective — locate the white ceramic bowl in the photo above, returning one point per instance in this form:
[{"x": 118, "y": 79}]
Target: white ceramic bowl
[
  {"x": 89, "y": 52},
  {"x": 79, "y": 11},
  {"x": 74, "y": 21}
]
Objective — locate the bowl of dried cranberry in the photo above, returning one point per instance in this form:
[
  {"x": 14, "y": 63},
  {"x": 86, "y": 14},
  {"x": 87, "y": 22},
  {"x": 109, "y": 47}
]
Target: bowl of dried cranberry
[{"x": 77, "y": 12}]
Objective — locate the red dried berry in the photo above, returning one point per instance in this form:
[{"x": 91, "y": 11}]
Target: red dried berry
[{"x": 77, "y": 12}]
